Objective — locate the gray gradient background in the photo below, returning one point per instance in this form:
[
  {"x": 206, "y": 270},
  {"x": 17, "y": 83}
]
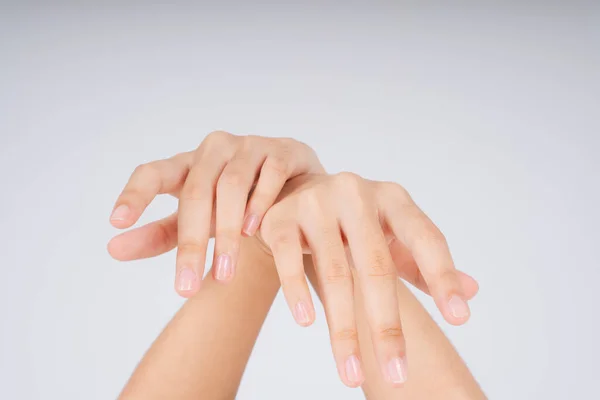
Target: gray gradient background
[{"x": 487, "y": 114}]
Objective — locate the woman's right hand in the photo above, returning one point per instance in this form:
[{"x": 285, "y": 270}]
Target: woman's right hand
[
  {"x": 224, "y": 188},
  {"x": 387, "y": 235}
]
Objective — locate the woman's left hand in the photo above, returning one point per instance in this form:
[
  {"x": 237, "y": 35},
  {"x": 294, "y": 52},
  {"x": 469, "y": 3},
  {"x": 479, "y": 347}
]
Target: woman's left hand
[{"x": 385, "y": 234}]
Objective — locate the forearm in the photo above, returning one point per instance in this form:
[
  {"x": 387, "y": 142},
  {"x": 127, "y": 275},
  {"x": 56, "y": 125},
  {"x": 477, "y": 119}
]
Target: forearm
[
  {"x": 435, "y": 370},
  {"x": 203, "y": 351}
]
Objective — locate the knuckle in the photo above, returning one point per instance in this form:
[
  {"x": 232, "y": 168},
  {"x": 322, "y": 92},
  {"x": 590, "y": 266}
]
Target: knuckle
[
  {"x": 189, "y": 246},
  {"x": 272, "y": 220},
  {"x": 312, "y": 202},
  {"x": 193, "y": 192},
  {"x": 231, "y": 179},
  {"x": 337, "y": 272},
  {"x": 382, "y": 273},
  {"x": 396, "y": 191},
  {"x": 429, "y": 236},
  {"x": 247, "y": 142},
  {"x": 344, "y": 335},
  {"x": 291, "y": 281},
  {"x": 349, "y": 181},
  {"x": 280, "y": 240},
  {"x": 388, "y": 332},
  {"x": 445, "y": 281},
  {"x": 278, "y": 166},
  {"x": 380, "y": 266},
  {"x": 277, "y": 232},
  {"x": 148, "y": 169},
  {"x": 214, "y": 139},
  {"x": 290, "y": 146},
  {"x": 217, "y": 135},
  {"x": 350, "y": 186}
]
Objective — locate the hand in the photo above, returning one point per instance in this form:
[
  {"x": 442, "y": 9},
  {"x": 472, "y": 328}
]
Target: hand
[
  {"x": 320, "y": 214},
  {"x": 213, "y": 184}
]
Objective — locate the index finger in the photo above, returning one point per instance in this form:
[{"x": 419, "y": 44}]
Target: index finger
[
  {"x": 194, "y": 220},
  {"x": 429, "y": 249},
  {"x": 146, "y": 182}
]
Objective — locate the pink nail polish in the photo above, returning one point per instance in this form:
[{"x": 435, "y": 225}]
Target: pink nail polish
[
  {"x": 353, "y": 371},
  {"x": 397, "y": 370},
  {"x": 186, "y": 279},
  {"x": 301, "y": 313},
  {"x": 250, "y": 225},
  {"x": 120, "y": 213},
  {"x": 458, "y": 307},
  {"x": 223, "y": 267}
]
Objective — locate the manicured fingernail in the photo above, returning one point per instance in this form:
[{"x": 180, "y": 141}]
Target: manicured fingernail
[
  {"x": 301, "y": 313},
  {"x": 353, "y": 371},
  {"x": 458, "y": 307},
  {"x": 223, "y": 267},
  {"x": 186, "y": 279},
  {"x": 120, "y": 213},
  {"x": 397, "y": 370},
  {"x": 250, "y": 225}
]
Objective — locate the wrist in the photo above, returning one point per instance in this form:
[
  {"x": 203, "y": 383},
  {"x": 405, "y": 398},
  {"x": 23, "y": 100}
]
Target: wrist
[{"x": 255, "y": 254}]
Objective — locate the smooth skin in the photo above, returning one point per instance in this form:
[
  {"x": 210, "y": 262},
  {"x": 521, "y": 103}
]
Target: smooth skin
[
  {"x": 320, "y": 214},
  {"x": 436, "y": 370},
  {"x": 188, "y": 361},
  {"x": 203, "y": 351},
  {"x": 315, "y": 213},
  {"x": 213, "y": 183}
]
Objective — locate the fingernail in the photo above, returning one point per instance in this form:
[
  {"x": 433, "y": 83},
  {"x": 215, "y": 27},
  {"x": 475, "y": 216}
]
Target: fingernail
[
  {"x": 186, "y": 280},
  {"x": 353, "y": 371},
  {"x": 223, "y": 268},
  {"x": 301, "y": 313},
  {"x": 250, "y": 225},
  {"x": 458, "y": 307},
  {"x": 397, "y": 370},
  {"x": 120, "y": 213}
]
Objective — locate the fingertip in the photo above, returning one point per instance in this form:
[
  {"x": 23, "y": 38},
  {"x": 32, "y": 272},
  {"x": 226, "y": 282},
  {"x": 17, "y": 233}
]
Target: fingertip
[
  {"x": 187, "y": 282},
  {"x": 115, "y": 249},
  {"x": 469, "y": 284},
  {"x": 251, "y": 223},
  {"x": 122, "y": 217},
  {"x": 110, "y": 248},
  {"x": 397, "y": 371},
  {"x": 186, "y": 294},
  {"x": 457, "y": 310},
  {"x": 223, "y": 268},
  {"x": 303, "y": 314},
  {"x": 352, "y": 375}
]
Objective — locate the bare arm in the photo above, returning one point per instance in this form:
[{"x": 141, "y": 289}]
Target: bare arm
[
  {"x": 203, "y": 351},
  {"x": 435, "y": 370}
]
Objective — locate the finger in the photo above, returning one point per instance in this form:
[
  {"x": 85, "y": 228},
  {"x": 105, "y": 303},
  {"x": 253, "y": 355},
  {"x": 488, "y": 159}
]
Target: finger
[
  {"x": 429, "y": 249},
  {"x": 273, "y": 175},
  {"x": 283, "y": 239},
  {"x": 233, "y": 187},
  {"x": 409, "y": 271},
  {"x": 195, "y": 215},
  {"x": 285, "y": 161},
  {"x": 376, "y": 275},
  {"x": 469, "y": 284},
  {"x": 146, "y": 182},
  {"x": 337, "y": 290},
  {"x": 147, "y": 241}
]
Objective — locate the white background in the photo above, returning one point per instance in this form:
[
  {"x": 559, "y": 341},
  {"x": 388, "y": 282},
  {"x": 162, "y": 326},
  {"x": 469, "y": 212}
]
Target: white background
[{"x": 488, "y": 116}]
